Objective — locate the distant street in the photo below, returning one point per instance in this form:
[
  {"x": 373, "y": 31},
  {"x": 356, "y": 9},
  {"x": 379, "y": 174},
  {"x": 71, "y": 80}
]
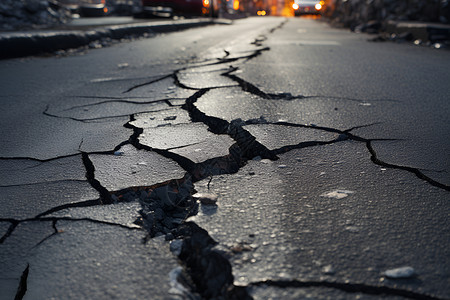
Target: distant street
[{"x": 270, "y": 158}]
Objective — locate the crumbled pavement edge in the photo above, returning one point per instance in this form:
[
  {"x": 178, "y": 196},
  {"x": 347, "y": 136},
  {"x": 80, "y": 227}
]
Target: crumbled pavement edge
[{"x": 22, "y": 44}]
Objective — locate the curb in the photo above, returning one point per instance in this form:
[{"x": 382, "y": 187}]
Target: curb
[
  {"x": 19, "y": 44},
  {"x": 427, "y": 32}
]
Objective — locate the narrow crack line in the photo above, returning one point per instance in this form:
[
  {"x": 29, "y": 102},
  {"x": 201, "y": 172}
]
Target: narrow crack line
[
  {"x": 178, "y": 82},
  {"x": 361, "y": 126},
  {"x": 107, "y": 98},
  {"x": 147, "y": 83},
  {"x": 251, "y": 88},
  {"x": 346, "y": 287},
  {"x": 22, "y": 289},
  {"x": 183, "y": 146},
  {"x": 281, "y": 25},
  {"x": 55, "y": 232},
  {"x": 56, "y": 219},
  {"x": 170, "y": 104},
  {"x": 121, "y": 101},
  {"x": 256, "y": 53},
  {"x": 259, "y": 40},
  {"x": 39, "y": 160},
  {"x": 46, "y": 113},
  {"x": 105, "y": 197},
  {"x": 245, "y": 58},
  {"x": 10, "y": 230},
  {"x": 415, "y": 171},
  {"x": 307, "y": 144},
  {"x": 87, "y": 203},
  {"x": 288, "y": 124},
  {"x": 352, "y": 99},
  {"x": 43, "y": 182},
  {"x": 91, "y": 120}
]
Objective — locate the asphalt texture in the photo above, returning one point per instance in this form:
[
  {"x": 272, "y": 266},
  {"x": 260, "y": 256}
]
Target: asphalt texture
[{"x": 320, "y": 158}]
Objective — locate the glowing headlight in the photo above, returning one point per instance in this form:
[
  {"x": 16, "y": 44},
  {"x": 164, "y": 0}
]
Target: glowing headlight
[
  {"x": 318, "y": 6},
  {"x": 295, "y": 6}
]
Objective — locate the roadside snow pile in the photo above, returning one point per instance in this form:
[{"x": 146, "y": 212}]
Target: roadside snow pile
[
  {"x": 353, "y": 13},
  {"x": 23, "y": 14}
]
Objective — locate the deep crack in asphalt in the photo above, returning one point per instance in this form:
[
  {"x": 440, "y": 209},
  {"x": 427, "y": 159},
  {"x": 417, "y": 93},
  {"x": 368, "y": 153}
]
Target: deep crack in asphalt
[{"x": 166, "y": 206}]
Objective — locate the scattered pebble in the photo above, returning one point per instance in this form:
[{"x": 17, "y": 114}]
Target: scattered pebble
[
  {"x": 353, "y": 229},
  {"x": 242, "y": 247},
  {"x": 328, "y": 270},
  {"x": 282, "y": 166},
  {"x": 400, "y": 273},
  {"x": 206, "y": 198},
  {"x": 118, "y": 153}
]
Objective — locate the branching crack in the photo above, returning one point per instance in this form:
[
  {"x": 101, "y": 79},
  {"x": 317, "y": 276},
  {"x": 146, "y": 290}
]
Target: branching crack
[
  {"x": 51, "y": 235},
  {"x": 346, "y": 134},
  {"x": 251, "y": 88},
  {"x": 415, "y": 171}
]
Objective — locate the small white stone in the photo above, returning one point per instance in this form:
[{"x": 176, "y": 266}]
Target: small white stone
[
  {"x": 328, "y": 270},
  {"x": 337, "y": 194},
  {"x": 398, "y": 273},
  {"x": 206, "y": 198}
]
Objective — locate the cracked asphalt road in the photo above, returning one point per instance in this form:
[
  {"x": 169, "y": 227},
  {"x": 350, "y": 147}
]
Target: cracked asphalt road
[{"x": 327, "y": 156}]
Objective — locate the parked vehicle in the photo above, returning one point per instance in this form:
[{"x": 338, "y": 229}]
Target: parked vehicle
[
  {"x": 85, "y": 8},
  {"x": 307, "y": 7},
  {"x": 92, "y": 8},
  {"x": 169, "y": 8}
]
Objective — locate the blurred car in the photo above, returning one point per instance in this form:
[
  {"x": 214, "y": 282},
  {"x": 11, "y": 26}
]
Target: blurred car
[
  {"x": 169, "y": 8},
  {"x": 85, "y": 8},
  {"x": 307, "y": 7},
  {"x": 92, "y": 8}
]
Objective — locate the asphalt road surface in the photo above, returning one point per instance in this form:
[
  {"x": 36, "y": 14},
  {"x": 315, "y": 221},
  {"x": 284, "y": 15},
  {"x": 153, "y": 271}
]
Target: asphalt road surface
[{"x": 271, "y": 158}]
